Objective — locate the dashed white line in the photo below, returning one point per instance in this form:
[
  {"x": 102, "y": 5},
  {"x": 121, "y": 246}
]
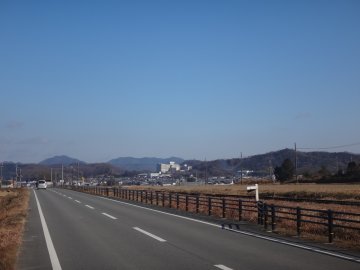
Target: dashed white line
[
  {"x": 70, "y": 198},
  {"x": 77, "y": 201},
  {"x": 88, "y": 206},
  {"x": 109, "y": 216},
  {"x": 223, "y": 267},
  {"x": 51, "y": 249},
  {"x": 149, "y": 234}
]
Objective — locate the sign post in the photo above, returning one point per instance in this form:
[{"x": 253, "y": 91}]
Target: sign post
[{"x": 252, "y": 188}]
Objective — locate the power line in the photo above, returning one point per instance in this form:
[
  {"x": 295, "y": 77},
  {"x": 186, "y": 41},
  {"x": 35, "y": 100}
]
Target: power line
[{"x": 330, "y": 147}]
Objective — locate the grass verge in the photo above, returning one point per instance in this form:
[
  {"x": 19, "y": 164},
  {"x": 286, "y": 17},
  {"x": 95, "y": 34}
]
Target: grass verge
[{"x": 13, "y": 212}]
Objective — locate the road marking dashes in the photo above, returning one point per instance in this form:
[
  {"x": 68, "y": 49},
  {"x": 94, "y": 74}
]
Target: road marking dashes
[
  {"x": 149, "y": 234},
  {"x": 222, "y": 267},
  {"x": 109, "y": 216},
  {"x": 77, "y": 201},
  {"x": 88, "y": 206}
]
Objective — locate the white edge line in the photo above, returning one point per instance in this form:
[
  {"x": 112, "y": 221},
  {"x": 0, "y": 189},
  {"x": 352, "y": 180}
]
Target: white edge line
[
  {"x": 316, "y": 250},
  {"x": 149, "y": 234},
  {"x": 110, "y": 216},
  {"x": 88, "y": 206},
  {"x": 223, "y": 267},
  {"x": 50, "y": 246}
]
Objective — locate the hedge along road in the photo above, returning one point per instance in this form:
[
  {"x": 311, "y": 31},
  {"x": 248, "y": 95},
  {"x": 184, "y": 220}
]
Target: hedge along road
[{"x": 90, "y": 232}]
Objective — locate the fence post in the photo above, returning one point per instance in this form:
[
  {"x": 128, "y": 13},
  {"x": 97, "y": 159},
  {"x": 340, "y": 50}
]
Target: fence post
[
  {"x": 141, "y": 195},
  {"x": 157, "y": 198},
  {"x": 240, "y": 209},
  {"x": 209, "y": 206},
  {"x": 170, "y": 199},
  {"x": 273, "y": 217},
  {"x": 265, "y": 216},
  {"x": 223, "y": 208},
  {"x": 298, "y": 221},
  {"x": 163, "y": 199},
  {"x": 151, "y": 197},
  {"x": 330, "y": 225},
  {"x": 197, "y": 203},
  {"x": 146, "y": 197},
  {"x": 186, "y": 202},
  {"x": 260, "y": 212},
  {"x": 177, "y": 200}
]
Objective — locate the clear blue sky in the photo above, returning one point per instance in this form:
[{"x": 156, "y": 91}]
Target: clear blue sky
[{"x": 96, "y": 80}]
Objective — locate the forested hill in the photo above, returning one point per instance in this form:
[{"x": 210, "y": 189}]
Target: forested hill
[{"x": 306, "y": 161}]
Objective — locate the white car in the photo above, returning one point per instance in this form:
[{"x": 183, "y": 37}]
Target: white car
[{"x": 41, "y": 184}]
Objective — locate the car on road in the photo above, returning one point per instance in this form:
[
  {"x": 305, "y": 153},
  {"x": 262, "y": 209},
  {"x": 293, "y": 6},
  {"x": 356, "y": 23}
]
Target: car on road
[{"x": 41, "y": 184}]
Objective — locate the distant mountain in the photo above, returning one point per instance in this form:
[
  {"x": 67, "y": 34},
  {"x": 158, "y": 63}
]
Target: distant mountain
[
  {"x": 306, "y": 162},
  {"x": 58, "y": 160},
  {"x": 141, "y": 164}
]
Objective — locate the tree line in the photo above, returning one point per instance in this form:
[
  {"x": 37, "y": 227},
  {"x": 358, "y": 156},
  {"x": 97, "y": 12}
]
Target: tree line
[{"x": 286, "y": 172}]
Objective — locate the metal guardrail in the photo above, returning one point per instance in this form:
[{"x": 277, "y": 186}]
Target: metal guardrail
[{"x": 328, "y": 222}]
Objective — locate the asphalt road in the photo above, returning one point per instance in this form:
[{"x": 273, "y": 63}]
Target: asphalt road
[{"x": 90, "y": 232}]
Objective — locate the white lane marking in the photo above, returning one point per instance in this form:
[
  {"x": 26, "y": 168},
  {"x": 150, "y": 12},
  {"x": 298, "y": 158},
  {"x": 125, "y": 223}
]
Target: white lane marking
[
  {"x": 316, "y": 250},
  {"x": 70, "y": 198},
  {"x": 77, "y": 201},
  {"x": 223, "y": 267},
  {"x": 110, "y": 216},
  {"x": 88, "y": 206},
  {"x": 50, "y": 246},
  {"x": 149, "y": 234}
]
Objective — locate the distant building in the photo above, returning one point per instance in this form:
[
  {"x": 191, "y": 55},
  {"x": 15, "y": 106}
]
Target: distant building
[{"x": 171, "y": 167}]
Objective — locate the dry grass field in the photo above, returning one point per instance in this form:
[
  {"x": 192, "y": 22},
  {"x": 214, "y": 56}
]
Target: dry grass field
[
  {"x": 314, "y": 191},
  {"x": 13, "y": 209}
]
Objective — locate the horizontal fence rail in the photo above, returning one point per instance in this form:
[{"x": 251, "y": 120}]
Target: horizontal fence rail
[{"x": 329, "y": 223}]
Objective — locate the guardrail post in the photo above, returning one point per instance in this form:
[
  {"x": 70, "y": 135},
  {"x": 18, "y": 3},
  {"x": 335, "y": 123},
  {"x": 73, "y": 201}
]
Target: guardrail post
[
  {"x": 151, "y": 197},
  {"x": 141, "y": 196},
  {"x": 273, "y": 218},
  {"x": 163, "y": 199},
  {"x": 240, "y": 209},
  {"x": 186, "y": 202},
  {"x": 177, "y": 200},
  {"x": 330, "y": 225},
  {"x": 209, "y": 206},
  {"x": 298, "y": 221},
  {"x": 157, "y": 197},
  {"x": 146, "y": 197}
]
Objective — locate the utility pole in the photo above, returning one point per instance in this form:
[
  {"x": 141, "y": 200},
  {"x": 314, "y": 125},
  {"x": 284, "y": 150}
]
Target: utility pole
[
  {"x": 296, "y": 176},
  {"x": 241, "y": 170},
  {"x": 206, "y": 172},
  {"x": 16, "y": 174},
  {"x": 2, "y": 165}
]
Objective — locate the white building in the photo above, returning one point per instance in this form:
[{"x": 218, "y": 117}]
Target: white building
[{"x": 164, "y": 168}]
